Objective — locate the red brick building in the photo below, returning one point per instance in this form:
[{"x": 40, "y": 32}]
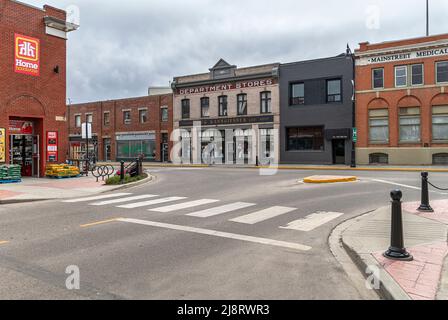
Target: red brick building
[
  {"x": 123, "y": 129},
  {"x": 33, "y": 127},
  {"x": 402, "y": 101}
]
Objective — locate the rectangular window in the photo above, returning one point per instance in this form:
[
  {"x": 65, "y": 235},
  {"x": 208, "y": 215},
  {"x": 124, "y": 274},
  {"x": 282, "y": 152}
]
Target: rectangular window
[
  {"x": 379, "y": 126},
  {"x": 442, "y": 71},
  {"x": 297, "y": 92},
  {"x": 127, "y": 117},
  {"x": 266, "y": 105},
  {"x": 205, "y": 107},
  {"x": 186, "y": 109},
  {"x": 222, "y": 103},
  {"x": 242, "y": 104},
  {"x": 106, "y": 118},
  {"x": 89, "y": 118},
  {"x": 440, "y": 123},
  {"x": 305, "y": 139},
  {"x": 378, "y": 78},
  {"x": 143, "y": 116},
  {"x": 417, "y": 75},
  {"x": 401, "y": 76},
  {"x": 164, "y": 114},
  {"x": 334, "y": 90},
  {"x": 410, "y": 125},
  {"x": 78, "y": 121}
]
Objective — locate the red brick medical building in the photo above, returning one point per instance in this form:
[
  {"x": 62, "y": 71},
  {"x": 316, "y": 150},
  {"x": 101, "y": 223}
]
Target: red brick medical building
[
  {"x": 123, "y": 129},
  {"x": 402, "y": 101},
  {"x": 33, "y": 127}
]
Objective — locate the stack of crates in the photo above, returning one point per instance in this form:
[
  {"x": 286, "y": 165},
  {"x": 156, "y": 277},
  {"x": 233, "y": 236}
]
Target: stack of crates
[
  {"x": 10, "y": 173},
  {"x": 61, "y": 171}
]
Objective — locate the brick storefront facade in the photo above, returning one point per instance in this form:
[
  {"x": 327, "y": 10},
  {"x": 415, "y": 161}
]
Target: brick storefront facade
[
  {"x": 109, "y": 127},
  {"x": 402, "y": 101},
  {"x": 38, "y": 100},
  {"x": 238, "y": 111}
]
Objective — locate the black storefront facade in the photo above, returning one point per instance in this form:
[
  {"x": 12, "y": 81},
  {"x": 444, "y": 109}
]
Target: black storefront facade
[{"x": 316, "y": 111}]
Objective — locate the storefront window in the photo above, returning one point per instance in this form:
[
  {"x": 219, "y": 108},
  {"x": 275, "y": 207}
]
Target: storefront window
[
  {"x": 242, "y": 104},
  {"x": 127, "y": 117},
  {"x": 440, "y": 123},
  {"x": 78, "y": 121},
  {"x": 410, "y": 125},
  {"x": 106, "y": 118},
  {"x": 143, "y": 115},
  {"x": 222, "y": 102},
  {"x": 266, "y": 106},
  {"x": 379, "y": 126},
  {"x": 185, "y": 109},
  {"x": 417, "y": 74},
  {"x": 132, "y": 149},
  {"x": 401, "y": 76},
  {"x": 164, "y": 114},
  {"x": 297, "y": 94},
  {"x": 378, "y": 78},
  {"x": 305, "y": 139},
  {"x": 334, "y": 90},
  {"x": 442, "y": 71},
  {"x": 205, "y": 107}
]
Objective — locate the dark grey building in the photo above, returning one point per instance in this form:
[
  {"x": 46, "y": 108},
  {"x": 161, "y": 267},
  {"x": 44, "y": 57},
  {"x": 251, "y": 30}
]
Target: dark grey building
[{"x": 316, "y": 111}]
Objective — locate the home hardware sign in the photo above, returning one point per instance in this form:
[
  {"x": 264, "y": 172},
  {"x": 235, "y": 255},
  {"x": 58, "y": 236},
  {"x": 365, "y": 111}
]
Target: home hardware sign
[{"x": 229, "y": 121}]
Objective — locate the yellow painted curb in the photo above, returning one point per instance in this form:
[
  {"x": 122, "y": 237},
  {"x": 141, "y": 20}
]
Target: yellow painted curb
[{"x": 329, "y": 179}]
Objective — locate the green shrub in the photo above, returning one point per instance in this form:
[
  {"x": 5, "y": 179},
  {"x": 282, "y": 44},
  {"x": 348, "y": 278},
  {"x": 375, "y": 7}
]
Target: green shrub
[{"x": 115, "y": 180}]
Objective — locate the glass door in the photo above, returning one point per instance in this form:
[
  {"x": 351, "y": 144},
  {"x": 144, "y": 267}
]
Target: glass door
[{"x": 36, "y": 157}]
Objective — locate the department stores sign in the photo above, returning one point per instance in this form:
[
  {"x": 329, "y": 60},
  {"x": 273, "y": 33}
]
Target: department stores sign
[
  {"x": 227, "y": 86},
  {"x": 403, "y": 56},
  {"x": 229, "y": 121}
]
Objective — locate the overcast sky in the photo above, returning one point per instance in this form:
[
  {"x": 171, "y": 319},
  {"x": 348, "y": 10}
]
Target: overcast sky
[{"x": 122, "y": 47}]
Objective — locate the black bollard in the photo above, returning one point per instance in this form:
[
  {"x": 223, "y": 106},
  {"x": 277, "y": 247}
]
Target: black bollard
[
  {"x": 424, "y": 206},
  {"x": 122, "y": 171},
  {"x": 397, "y": 251}
]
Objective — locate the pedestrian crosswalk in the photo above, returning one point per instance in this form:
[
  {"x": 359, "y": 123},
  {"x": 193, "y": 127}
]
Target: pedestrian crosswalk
[{"x": 248, "y": 213}]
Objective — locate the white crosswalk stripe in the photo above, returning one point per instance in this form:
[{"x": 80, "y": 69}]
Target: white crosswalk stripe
[
  {"x": 151, "y": 202},
  {"x": 121, "y": 200},
  {"x": 221, "y": 210},
  {"x": 109, "y": 196},
  {"x": 313, "y": 221},
  {"x": 184, "y": 205},
  {"x": 263, "y": 215}
]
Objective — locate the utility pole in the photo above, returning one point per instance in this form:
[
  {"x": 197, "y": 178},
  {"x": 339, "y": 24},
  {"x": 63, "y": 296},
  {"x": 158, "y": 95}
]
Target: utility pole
[{"x": 427, "y": 18}]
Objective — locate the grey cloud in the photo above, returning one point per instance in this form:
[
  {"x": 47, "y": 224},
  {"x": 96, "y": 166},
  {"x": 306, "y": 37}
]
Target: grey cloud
[{"x": 123, "y": 47}]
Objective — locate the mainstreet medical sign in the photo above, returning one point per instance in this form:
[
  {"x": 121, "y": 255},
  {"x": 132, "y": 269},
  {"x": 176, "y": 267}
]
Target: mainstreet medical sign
[{"x": 403, "y": 56}]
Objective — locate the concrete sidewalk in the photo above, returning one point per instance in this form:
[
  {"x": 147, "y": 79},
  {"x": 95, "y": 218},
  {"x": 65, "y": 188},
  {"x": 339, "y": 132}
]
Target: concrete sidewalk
[
  {"x": 294, "y": 167},
  {"x": 426, "y": 278},
  {"x": 33, "y": 189}
]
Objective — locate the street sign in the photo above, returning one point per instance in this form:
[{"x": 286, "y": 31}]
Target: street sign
[
  {"x": 355, "y": 135},
  {"x": 87, "y": 130}
]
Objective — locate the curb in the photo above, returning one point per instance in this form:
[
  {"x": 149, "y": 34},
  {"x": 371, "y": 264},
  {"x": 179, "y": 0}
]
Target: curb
[
  {"x": 389, "y": 289},
  {"x": 149, "y": 179},
  {"x": 303, "y": 168}
]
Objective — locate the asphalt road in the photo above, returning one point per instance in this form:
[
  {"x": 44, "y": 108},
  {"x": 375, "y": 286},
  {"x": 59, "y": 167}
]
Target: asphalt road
[{"x": 168, "y": 254}]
